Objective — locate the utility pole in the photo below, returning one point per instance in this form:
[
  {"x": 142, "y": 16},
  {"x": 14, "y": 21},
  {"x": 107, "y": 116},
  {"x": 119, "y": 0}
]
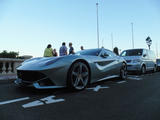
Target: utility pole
[
  {"x": 102, "y": 42},
  {"x": 97, "y": 27},
  {"x": 157, "y": 50},
  {"x": 112, "y": 40},
  {"x": 132, "y": 35}
]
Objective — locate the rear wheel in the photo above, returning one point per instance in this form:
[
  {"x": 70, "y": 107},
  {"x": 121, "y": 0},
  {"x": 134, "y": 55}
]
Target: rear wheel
[
  {"x": 78, "y": 76},
  {"x": 123, "y": 72},
  {"x": 154, "y": 69}
]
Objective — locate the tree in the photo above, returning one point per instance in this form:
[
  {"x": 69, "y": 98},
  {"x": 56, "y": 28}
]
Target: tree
[
  {"x": 11, "y": 54},
  {"x": 149, "y": 42}
]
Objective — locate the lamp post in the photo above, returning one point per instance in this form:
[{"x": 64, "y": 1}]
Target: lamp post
[
  {"x": 132, "y": 36},
  {"x": 112, "y": 40},
  {"x": 97, "y": 27}
]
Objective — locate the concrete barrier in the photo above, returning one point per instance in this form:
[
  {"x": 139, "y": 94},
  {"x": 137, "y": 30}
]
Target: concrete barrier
[{"x": 8, "y": 68}]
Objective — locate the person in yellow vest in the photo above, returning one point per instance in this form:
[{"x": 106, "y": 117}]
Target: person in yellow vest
[{"x": 48, "y": 52}]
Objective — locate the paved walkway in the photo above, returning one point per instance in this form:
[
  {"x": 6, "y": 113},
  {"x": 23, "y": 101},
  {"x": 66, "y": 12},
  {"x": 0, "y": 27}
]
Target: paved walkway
[{"x": 8, "y": 78}]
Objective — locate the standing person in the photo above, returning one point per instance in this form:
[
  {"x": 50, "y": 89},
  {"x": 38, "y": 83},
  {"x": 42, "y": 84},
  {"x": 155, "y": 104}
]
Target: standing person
[
  {"x": 63, "y": 49},
  {"x": 71, "y": 49},
  {"x": 55, "y": 52},
  {"x": 115, "y": 50},
  {"x": 82, "y": 48},
  {"x": 48, "y": 51}
]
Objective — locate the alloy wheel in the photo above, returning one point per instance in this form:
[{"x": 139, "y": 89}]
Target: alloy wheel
[
  {"x": 143, "y": 69},
  {"x": 79, "y": 76},
  {"x": 123, "y": 72}
]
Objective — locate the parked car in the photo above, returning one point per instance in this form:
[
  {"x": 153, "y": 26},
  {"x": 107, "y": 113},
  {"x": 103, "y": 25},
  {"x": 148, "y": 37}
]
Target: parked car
[
  {"x": 140, "y": 60},
  {"x": 73, "y": 71},
  {"x": 158, "y": 64}
]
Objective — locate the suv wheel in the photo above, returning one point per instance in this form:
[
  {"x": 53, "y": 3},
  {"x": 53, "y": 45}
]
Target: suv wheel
[{"x": 143, "y": 70}]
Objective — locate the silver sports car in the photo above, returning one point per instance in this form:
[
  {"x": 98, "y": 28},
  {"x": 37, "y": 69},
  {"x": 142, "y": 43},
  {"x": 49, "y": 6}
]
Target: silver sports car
[{"x": 74, "y": 71}]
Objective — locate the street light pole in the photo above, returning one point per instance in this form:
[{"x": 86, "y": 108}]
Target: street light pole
[
  {"x": 132, "y": 36},
  {"x": 97, "y": 27},
  {"x": 157, "y": 50},
  {"x": 112, "y": 40}
]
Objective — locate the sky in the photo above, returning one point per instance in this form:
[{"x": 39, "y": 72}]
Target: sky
[{"x": 28, "y": 26}]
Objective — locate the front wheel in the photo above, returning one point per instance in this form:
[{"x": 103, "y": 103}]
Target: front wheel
[
  {"x": 123, "y": 72},
  {"x": 78, "y": 76},
  {"x": 143, "y": 70}
]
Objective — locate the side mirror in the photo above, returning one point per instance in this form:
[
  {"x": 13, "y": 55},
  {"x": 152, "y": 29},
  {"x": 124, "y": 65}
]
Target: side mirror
[
  {"x": 144, "y": 55},
  {"x": 104, "y": 55}
]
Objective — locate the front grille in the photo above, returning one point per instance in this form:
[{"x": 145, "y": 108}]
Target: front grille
[{"x": 30, "y": 75}]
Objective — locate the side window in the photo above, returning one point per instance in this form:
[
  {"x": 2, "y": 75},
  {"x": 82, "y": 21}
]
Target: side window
[
  {"x": 151, "y": 54},
  {"x": 109, "y": 53},
  {"x": 145, "y": 54},
  {"x": 104, "y": 54}
]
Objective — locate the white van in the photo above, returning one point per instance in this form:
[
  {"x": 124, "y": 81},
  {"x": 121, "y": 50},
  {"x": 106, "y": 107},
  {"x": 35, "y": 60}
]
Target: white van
[{"x": 140, "y": 60}]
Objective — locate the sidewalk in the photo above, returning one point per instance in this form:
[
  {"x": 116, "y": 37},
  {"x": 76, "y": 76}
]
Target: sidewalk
[{"x": 7, "y": 78}]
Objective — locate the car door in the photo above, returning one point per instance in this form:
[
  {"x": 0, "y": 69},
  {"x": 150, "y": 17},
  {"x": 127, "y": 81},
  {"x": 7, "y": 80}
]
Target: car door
[
  {"x": 145, "y": 59},
  {"x": 106, "y": 65},
  {"x": 116, "y": 63},
  {"x": 151, "y": 60}
]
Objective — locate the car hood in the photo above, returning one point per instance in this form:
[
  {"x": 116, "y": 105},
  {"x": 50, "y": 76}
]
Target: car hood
[{"x": 39, "y": 63}]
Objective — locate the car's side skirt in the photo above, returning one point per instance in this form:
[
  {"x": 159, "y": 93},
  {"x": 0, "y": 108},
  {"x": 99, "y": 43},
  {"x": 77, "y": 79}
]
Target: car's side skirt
[{"x": 109, "y": 77}]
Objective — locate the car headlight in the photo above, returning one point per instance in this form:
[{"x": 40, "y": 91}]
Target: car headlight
[{"x": 136, "y": 61}]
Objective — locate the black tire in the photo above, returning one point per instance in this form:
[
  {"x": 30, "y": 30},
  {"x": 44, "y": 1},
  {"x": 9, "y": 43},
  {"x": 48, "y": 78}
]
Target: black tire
[
  {"x": 78, "y": 76},
  {"x": 143, "y": 70},
  {"x": 123, "y": 72}
]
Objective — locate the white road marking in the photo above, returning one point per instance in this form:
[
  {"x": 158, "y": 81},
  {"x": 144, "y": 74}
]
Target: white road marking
[
  {"x": 15, "y": 100},
  {"x": 97, "y": 88},
  {"x": 47, "y": 100},
  {"x": 134, "y": 78},
  {"x": 33, "y": 104},
  {"x": 121, "y": 82},
  {"x": 50, "y": 99}
]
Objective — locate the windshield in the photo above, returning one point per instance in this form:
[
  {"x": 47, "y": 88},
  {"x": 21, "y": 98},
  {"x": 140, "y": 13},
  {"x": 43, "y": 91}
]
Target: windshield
[
  {"x": 132, "y": 52},
  {"x": 158, "y": 60},
  {"x": 94, "y": 52}
]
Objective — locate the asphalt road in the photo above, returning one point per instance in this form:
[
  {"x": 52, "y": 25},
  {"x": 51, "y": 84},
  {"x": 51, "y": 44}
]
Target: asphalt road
[{"x": 137, "y": 98}]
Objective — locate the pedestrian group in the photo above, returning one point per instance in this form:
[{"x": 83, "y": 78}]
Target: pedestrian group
[{"x": 49, "y": 52}]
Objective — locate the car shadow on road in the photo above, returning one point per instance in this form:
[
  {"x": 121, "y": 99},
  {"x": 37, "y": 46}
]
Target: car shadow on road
[
  {"x": 41, "y": 92},
  {"x": 65, "y": 91}
]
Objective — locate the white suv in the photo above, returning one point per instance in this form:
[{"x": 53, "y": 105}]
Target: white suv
[{"x": 140, "y": 60}]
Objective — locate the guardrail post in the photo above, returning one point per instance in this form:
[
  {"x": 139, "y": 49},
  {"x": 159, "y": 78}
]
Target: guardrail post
[
  {"x": 4, "y": 68},
  {"x": 9, "y": 68}
]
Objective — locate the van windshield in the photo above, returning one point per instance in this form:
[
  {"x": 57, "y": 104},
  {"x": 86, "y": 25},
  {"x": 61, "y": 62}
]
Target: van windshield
[{"x": 137, "y": 52}]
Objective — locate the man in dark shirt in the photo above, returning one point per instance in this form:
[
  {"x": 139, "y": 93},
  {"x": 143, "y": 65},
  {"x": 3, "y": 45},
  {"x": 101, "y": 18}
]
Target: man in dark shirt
[
  {"x": 63, "y": 49},
  {"x": 71, "y": 49}
]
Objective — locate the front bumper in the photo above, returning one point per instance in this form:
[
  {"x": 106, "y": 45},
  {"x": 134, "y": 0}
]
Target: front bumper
[
  {"x": 133, "y": 67},
  {"x": 41, "y": 84},
  {"x": 21, "y": 83}
]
